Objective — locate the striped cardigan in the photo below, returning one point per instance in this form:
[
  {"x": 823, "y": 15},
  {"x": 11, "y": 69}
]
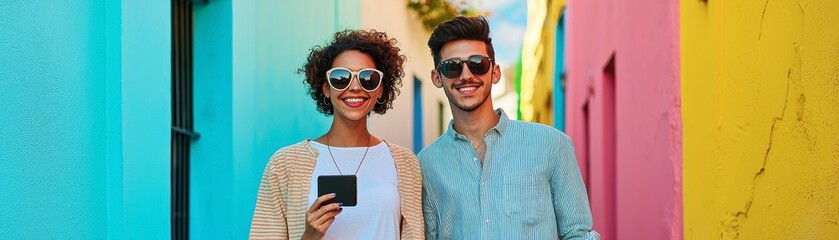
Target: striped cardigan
[{"x": 284, "y": 192}]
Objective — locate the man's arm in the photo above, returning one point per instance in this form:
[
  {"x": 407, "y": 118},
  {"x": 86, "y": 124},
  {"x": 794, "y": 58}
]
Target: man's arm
[
  {"x": 429, "y": 210},
  {"x": 571, "y": 207}
]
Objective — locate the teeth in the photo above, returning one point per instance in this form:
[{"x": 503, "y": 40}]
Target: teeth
[
  {"x": 354, "y": 100},
  {"x": 467, "y": 89}
]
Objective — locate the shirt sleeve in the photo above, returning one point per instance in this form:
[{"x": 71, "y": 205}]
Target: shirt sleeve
[
  {"x": 571, "y": 207},
  {"x": 429, "y": 210},
  {"x": 269, "y": 217}
]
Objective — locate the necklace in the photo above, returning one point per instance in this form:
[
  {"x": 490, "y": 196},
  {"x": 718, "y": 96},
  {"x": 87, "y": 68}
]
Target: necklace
[
  {"x": 362, "y": 158},
  {"x": 483, "y": 143}
]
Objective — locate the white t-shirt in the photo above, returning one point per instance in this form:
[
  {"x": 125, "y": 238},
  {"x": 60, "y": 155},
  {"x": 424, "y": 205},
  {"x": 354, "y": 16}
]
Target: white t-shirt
[{"x": 377, "y": 214}]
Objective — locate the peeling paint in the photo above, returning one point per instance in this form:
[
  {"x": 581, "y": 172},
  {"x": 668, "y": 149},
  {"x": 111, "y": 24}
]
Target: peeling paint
[{"x": 762, "y": 16}]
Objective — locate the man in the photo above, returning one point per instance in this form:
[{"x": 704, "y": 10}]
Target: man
[{"x": 489, "y": 177}]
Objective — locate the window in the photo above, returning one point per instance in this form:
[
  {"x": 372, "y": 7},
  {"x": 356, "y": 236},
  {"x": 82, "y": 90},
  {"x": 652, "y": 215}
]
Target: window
[
  {"x": 417, "y": 115},
  {"x": 182, "y": 125}
]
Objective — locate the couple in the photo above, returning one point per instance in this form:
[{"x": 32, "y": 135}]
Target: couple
[{"x": 487, "y": 177}]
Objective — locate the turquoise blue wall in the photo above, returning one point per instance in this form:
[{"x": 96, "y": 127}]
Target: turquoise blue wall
[
  {"x": 52, "y": 119},
  {"x": 559, "y": 92},
  {"x": 146, "y": 118},
  {"x": 211, "y": 181},
  {"x": 113, "y": 116},
  {"x": 84, "y": 124},
  {"x": 249, "y": 100}
]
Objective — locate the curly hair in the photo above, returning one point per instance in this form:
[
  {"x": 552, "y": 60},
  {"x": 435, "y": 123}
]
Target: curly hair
[{"x": 382, "y": 49}]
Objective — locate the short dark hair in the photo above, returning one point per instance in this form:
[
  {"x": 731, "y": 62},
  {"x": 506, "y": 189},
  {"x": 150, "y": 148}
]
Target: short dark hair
[
  {"x": 458, "y": 28},
  {"x": 382, "y": 49}
]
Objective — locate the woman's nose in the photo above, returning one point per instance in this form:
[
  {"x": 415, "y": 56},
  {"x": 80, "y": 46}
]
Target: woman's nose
[{"x": 355, "y": 84}]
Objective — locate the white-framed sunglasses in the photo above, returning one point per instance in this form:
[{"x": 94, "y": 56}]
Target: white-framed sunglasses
[{"x": 339, "y": 78}]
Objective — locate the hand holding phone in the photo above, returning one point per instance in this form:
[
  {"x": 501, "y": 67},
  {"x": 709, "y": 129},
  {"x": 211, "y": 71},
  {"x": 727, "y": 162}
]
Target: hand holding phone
[{"x": 320, "y": 217}]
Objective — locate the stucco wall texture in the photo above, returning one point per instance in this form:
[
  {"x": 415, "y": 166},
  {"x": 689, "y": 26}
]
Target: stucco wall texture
[{"x": 760, "y": 90}]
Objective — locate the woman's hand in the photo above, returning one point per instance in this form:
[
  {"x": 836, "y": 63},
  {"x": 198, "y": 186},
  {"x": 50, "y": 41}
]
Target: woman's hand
[{"x": 318, "y": 219}]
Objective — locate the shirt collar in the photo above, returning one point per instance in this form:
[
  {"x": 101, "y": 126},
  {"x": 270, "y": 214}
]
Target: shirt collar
[{"x": 499, "y": 127}]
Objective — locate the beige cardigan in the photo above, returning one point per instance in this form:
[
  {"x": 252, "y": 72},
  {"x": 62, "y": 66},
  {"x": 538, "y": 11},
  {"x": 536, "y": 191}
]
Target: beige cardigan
[{"x": 284, "y": 193}]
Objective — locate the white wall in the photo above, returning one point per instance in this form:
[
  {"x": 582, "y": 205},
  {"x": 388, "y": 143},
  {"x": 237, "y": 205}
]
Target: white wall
[{"x": 399, "y": 22}]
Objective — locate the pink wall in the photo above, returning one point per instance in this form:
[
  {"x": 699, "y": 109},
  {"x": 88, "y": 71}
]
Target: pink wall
[{"x": 631, "y": 152}]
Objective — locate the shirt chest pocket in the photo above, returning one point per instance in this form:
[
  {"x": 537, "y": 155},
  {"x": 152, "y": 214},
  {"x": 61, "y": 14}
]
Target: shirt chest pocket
[{"x": 527, "y": 196}]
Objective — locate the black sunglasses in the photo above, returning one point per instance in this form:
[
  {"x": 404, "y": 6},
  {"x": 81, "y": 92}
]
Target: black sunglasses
[
  {"x": 339, "y": 78},
  {"x": 453, "y": 67}
]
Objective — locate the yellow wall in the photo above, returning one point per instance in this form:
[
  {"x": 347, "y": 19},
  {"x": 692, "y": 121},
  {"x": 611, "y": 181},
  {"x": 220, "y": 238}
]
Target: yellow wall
[
  {"x": 538, "y": 61},
  {"x": 760, "y": 90}
]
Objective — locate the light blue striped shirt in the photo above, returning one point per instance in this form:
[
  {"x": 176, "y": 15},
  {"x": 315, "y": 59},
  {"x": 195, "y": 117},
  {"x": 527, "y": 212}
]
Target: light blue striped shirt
[{"x": 529, "y": 186}]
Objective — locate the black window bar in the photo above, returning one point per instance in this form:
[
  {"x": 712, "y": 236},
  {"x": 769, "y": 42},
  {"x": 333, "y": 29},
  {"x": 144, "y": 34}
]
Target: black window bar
[{"x": 182, "y": 119}]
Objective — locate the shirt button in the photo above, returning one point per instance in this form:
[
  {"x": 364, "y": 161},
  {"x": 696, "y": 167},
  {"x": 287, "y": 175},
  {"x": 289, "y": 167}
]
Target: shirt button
[
  {"x": 487, "y": 221},
  {"x": 475, "y": 159}
]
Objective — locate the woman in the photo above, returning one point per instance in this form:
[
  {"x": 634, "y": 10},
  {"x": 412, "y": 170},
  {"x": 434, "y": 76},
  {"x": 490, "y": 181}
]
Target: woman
[{"x": 357, "y": 72}]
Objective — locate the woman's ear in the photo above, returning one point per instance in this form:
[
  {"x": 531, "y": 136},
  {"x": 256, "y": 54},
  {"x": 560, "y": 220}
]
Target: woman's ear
[
  {"x": 325, "y": 90},
  {"x": 380, "y": 92}
]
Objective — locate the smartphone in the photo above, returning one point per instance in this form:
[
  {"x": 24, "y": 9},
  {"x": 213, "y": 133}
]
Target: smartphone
[{"x": 344, "y": 187}]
